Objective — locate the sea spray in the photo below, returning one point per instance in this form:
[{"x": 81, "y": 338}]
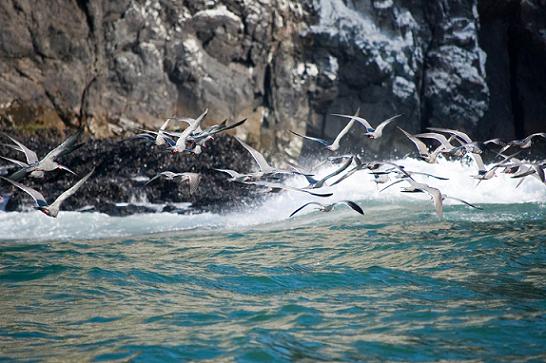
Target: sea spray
[{"x": 359, "y": 187}]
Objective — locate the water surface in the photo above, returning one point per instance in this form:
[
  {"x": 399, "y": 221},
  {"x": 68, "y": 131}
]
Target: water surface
[{"x": 397, "y": 284}]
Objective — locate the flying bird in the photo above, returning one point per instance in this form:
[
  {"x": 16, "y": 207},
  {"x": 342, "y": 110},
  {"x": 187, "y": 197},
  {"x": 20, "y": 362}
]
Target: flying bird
[
  {"x": 36, "y": 167},
  {"x": 372, "y": 133},
  {"x": 330, "y": 207},
  {"x": 334, "y": 146},
  {"x": 51, "y": 210},
  {"x": 193, "y": 179}
]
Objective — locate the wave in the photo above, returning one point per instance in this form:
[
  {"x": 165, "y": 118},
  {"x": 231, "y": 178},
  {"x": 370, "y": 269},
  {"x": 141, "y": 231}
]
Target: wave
[{"x": 276, "y": 209}]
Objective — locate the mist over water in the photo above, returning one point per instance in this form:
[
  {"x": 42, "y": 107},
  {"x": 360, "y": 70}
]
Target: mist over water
[{"x": 397, "y": 284}]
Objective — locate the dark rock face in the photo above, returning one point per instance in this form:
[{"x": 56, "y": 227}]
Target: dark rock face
[
  {"x": 513, "y": 35},
  {"x": 124, "y": 165},
  {"x": 114, "y": 65}
]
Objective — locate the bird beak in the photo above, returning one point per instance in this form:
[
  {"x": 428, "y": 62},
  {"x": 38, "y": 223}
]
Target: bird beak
[{"x": 62, "y": 167}]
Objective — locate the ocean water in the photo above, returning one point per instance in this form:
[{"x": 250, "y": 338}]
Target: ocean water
[{"x": 397, "y": 284}]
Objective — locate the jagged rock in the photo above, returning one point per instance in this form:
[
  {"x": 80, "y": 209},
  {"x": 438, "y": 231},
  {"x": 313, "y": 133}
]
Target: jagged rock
[
  {"x": 282, "y": 64},
  {"x": 123, "y": 165}
]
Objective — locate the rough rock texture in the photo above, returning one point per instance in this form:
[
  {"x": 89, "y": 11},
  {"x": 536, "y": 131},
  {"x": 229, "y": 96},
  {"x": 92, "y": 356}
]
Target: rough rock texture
[
  {"x": 122, "y": 168},
  {"x": 114, "y": 65}
]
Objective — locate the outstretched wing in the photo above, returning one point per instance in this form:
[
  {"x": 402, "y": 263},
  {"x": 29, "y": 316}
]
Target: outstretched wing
[
  {"x": 421, "y": 147},
  {"x": 459, "y": 134},
  {"x": 22, "y": 164},
  {"x": 67, "y": 193},
  {"x": 393, "y": 183},
  {"x": 29, "y": 154},
  {"x": 231, "y": 173},
  {"x": 359, "y": 119},
  {"x": 287, "y": 187},
  {"x": 316, "y": 139},
  {"x": 381, "y": 126},
  {"x": 303, "y": 206},
  {"x": 193, "y": 180},
  {"x": 339, "y": 170},
  {"x": 66, "y": 147},
  {"x": 262, "y": 163},
  {"x": 36, "y": 195},
  {"x": 463, "y": 201},
  {"x": 353, "y": 205}
]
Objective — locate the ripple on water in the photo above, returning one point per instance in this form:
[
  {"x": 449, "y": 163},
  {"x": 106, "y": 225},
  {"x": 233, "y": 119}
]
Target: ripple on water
[{"x": 412, "y": 289}]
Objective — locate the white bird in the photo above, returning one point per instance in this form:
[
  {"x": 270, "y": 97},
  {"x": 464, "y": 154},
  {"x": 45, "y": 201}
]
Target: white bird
[
  {"x": 36, "y": 167},
  {"x": 523, "y": 143},
  {"x": 329, "y": 207},
  {"x": 372, "y": 133},
  {"x": 424, "y": 154},
  {"x": 51, "y": 210},
  {"x": 194, "y": 125},
  {"x": 235, "y": 176},
  {"x": 445, "y": 142},
  {"x": 265, "y": 168},
  {"x": 277, "y": 186},
  {"x": 434, "y": 193},
  {"x": 315, "y": 184},
  {"x": 465, "y": 140},
  {"x": 160, "y": 137},
  {"x": 334, "y": 146},
  {"x": 193, "y": 179}
]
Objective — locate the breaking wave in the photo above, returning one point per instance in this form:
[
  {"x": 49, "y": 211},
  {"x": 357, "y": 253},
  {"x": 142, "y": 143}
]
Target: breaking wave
[{"x": 274, "y": 212}]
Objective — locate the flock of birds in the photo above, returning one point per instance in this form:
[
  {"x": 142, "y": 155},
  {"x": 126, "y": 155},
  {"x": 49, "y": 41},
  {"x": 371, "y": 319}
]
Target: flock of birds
[{"x": 194, "y": 138}]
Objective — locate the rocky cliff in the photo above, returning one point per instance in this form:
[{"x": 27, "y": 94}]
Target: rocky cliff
[{"x": 113, "y": 65}]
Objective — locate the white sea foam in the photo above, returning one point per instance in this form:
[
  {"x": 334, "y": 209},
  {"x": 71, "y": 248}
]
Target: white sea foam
[{"x": 360, "y": 187}]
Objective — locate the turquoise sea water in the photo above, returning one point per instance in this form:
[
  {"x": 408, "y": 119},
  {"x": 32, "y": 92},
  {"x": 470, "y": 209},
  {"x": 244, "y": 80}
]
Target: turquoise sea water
[{"x": 397, "y": 284}]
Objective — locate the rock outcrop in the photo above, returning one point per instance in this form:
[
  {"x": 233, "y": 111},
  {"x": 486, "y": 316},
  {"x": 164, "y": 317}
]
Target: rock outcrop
[
  {"x": 475, "y": 65},
  {"x": 122, "y": 168}
]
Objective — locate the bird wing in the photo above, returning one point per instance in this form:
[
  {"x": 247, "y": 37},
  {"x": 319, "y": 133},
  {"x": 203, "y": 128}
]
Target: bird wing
[
  {"x": 421, "y": 147},
  {"x": 381, "y": 126},
  {"x": 353, "y": 205},
  {"x": 393, "y": 183},
  {"x": 540, "y": 173},
  {"x": 228, "y": 127},
  {"x": 479, "y": 163},
  {"x": 496, "y": 141},
  {"x": 463, "y": 201},
  {"x": 305, "y": 205},
  {"x": 321, "y": 182},
  {"x": 193, "y": 180},
  {"x": 438, "y": 137},
  {"x": 69, "y": 192},
  {"x": 154, "y": 178},
  {"x": 342, "y": 133},
  {"x": 36, "y": 195},
  {"x": 29, "y": 154},
  {"x": 17, "y": 162},
  {"x": 359, "y": 119},
  {"x": 262, "y": 163},
  {"x": 231, "y": 173},
  {"x": 347, "y": 175},
  {"x": 430, "y": 175},
  {"x": 66, "y": 147},
  {"x": 287, "y": 187},
  {"x": 321, "y": 141},
  {"x": 541, "y": 134},
  {"x": 457, "y": 133},
  {"x": 436, "y": 195},
  {"x": 165, "y": 124}
]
